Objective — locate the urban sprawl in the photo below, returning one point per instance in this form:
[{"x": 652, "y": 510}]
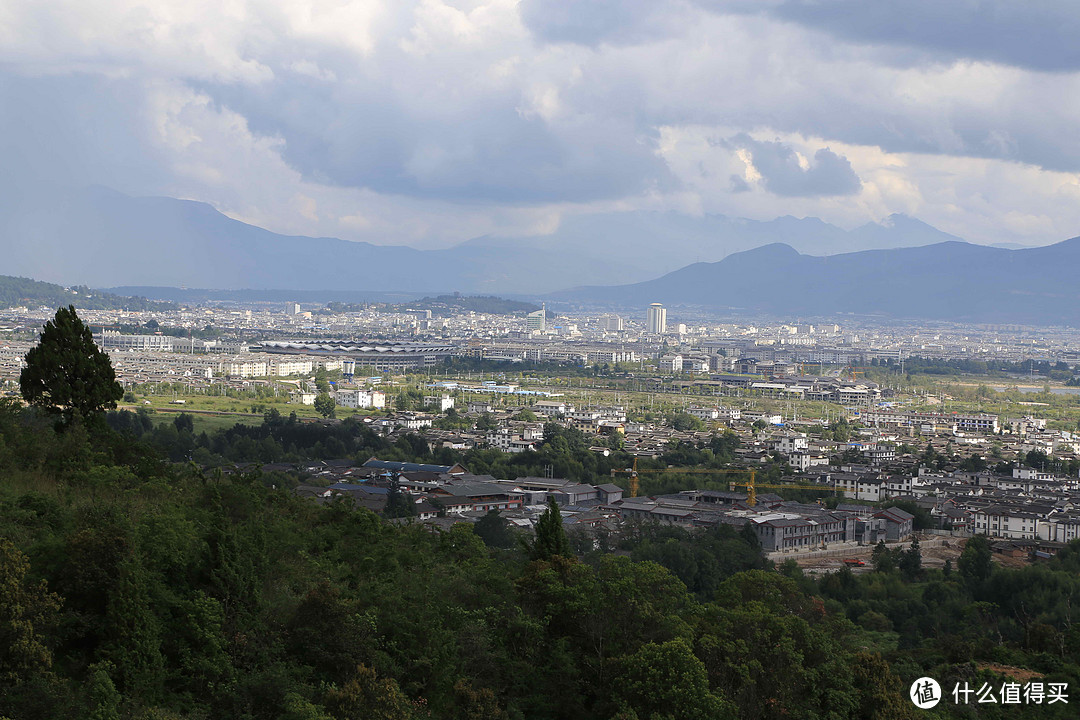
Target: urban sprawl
[{"x": 642, "y": 384}]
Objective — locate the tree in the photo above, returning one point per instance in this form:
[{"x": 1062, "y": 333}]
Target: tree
[
  {"x": 666, "y": 681},
  {"x": 494, "y": 530},
  {"x": 883, "y": 558},
  {"x": 841, "y": 430},
  {"x": 1037, "y": 459},
  {"x": 370, "y": 697},
  {"x": 551, "y": 538},
  {"x": 976, "y": 562},
  {"x": 66, "y": 373},
  {"x": 911, "y": 561},
  {"x": 398, "y": 504},
  {"x": 26, "y": 610},
  {"x": 104, "y": 698},
  {"x": 324, "y": 405},
  {"x": 685, "y": 421},
  {"x": 184, "y": 423}
]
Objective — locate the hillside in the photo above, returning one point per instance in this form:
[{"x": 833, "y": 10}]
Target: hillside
[
  {"x": 135, "y": 588},
  {"x": 17, "y": 291}
]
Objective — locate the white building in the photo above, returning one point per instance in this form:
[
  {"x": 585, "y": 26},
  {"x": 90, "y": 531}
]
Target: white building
[
  {"x": 112, "y": 340},
  {"x": 281, "y": 368},
  {"x": 788, "y": 443},
  {"x": 360, "y": 399},
  {"x": 729, "y": 414},
  {"x": 702, "y": 413},
  {"x": 803, "y": 461},
  {"x": 441, "y": 402},
  {"x": 671, "y": 363},
  {"x": 238, "y": 367},
  {"x": 552, "y": 407},
  {"x": 1005, "y": 522}
]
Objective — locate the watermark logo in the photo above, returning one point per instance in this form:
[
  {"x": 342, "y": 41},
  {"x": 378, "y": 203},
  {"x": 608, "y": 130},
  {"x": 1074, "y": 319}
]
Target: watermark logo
[{"x": 925, "y": 693}]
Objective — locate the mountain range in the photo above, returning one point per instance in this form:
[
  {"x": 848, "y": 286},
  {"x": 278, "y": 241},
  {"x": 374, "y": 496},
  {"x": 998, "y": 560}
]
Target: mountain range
[
  {"x": 900, "y": 267},
  {"x": 951, "y": 280},
  {"x": 102, "y": 238}
]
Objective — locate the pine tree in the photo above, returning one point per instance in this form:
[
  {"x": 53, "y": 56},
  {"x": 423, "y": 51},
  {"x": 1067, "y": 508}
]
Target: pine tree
[
  {"x": 911, "y": 561},
  {"x": 398, "y": 504},
  {"x": 66, "y": 373},
  {"x": 551, "y": 538}
]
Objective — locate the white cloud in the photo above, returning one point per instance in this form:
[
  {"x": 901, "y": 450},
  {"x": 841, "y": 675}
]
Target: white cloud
[{"x": 433, "y": 121}]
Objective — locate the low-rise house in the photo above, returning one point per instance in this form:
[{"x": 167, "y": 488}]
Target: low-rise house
[
  {"x": 460, "y": 496},
  {"x": 574, "y": 494},
  {"x": 900, "y": 525},
  {"x": 1005, "y": 521},
  {"x": 609, "y": 493}
]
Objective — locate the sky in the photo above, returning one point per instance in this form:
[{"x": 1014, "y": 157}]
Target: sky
[{"x": 428, "y": 123}]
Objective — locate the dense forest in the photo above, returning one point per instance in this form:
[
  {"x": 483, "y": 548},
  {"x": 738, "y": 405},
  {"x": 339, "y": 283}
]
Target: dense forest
[
  {"x": 135, "y": 587},
  {"x": 15, "y": 291}
]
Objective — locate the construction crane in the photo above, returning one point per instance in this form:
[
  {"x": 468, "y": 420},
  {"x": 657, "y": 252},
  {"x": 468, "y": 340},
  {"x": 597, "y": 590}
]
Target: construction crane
[
  {"x": 751, "y": 488},
  {"x": 857, "y": 370},
  {"x": 750, "y": 484},
  {"x": 633, "y": 473}
]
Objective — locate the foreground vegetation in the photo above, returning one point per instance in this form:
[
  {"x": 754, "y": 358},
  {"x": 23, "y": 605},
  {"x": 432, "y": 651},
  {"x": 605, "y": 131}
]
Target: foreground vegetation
[{"x": 138, "y": 588}]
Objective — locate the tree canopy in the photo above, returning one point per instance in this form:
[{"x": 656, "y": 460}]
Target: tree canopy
[{"x": 66, "y": 373}]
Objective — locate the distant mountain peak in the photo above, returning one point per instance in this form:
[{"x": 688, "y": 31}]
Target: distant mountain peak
[
  {"x": 772, "y": 250},
  {"x": 951, "y": 280}
]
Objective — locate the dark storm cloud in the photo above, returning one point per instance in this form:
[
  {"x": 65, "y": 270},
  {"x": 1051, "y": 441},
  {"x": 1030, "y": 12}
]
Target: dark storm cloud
[
  {"x": 484, "y": 150},
  {"x": 1033, "y": 34},
  {"x": 828, "y": 173}
]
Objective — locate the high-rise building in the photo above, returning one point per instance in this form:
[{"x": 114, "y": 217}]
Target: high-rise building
[
  {"x": 657, "y": 319},
  {"x": 292, "y": 308},
  {"x": 537, "y": 320}
]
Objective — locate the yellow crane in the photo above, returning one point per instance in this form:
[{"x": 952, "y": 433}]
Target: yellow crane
[{"x": 750, "y": 484}]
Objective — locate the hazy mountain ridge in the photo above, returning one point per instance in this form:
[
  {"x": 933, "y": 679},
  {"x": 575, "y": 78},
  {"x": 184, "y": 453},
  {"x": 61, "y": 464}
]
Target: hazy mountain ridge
[
  {"x": 102, "y": 238},
  {"x": 951, "y": 280},
  {"x": 658, "y": 242}
]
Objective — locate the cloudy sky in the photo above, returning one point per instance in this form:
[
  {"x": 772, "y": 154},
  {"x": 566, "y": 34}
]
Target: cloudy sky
[{"x": 428, "y": 123}]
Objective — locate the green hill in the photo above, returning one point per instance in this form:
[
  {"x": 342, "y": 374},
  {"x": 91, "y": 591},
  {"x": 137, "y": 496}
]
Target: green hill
[{"x": 16, "y": 291}]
